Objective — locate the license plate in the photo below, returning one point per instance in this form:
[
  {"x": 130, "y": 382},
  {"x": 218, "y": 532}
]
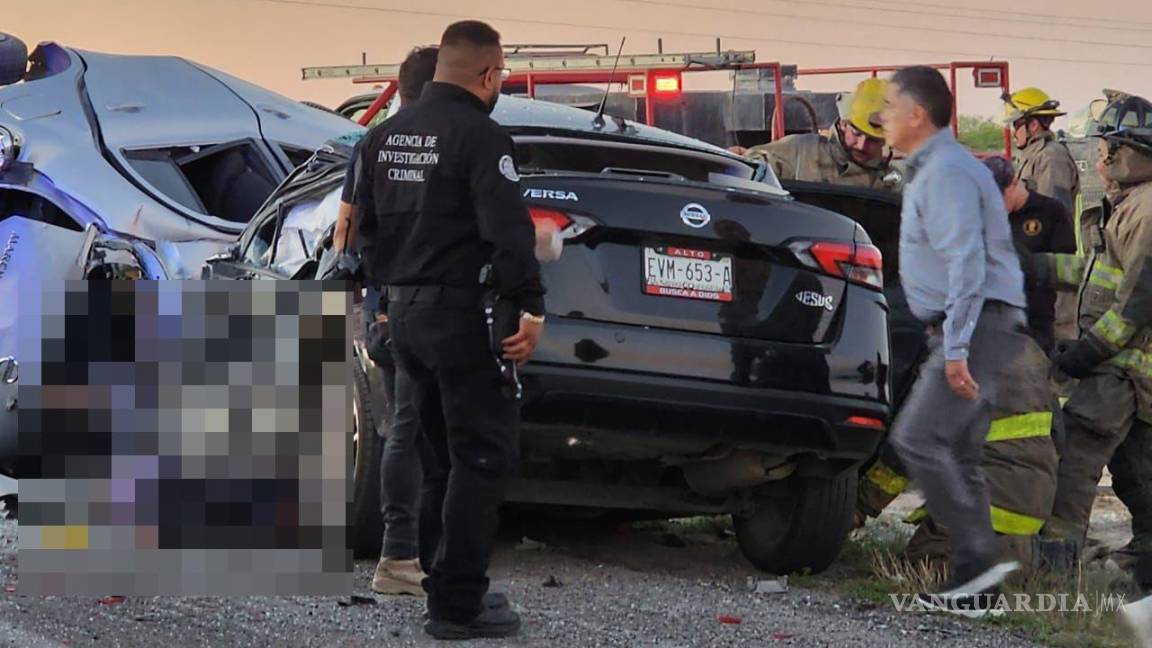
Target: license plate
[{"x": 691, "y": 274}]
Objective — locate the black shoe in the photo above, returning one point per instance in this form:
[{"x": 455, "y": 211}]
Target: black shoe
[
  {"x": 1057, "y": 554},
  {"x": 492, "y": 623},
  {"x": 973, "y": 594},
  {"x": 492, "y": 601},
  {"x": 975, "y": 582}
]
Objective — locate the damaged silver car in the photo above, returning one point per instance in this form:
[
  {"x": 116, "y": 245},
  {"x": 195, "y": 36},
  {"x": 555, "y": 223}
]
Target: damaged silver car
[
  {"x": 129, "y": 167},
  {"x": 152, "y": 148}
]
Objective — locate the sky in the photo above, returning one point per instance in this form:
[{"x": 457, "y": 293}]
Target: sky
[{"x": 1051, "y": 44}]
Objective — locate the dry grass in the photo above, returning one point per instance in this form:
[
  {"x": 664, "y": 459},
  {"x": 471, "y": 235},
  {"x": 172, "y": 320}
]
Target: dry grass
[
  {"x": 1094, "y": 628},
  {"x": 906, "y": 576}
]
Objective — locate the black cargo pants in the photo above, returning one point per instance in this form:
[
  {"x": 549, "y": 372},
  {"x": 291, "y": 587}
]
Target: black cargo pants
[{"x": 469, "y": 445}]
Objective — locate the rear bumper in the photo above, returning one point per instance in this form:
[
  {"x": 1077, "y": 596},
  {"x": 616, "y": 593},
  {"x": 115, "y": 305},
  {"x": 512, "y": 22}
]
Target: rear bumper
[{"x": 581, "y": 412}]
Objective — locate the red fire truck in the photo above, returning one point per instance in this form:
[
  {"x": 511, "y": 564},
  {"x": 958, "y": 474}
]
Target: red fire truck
[{"x": 762, "y": 102}]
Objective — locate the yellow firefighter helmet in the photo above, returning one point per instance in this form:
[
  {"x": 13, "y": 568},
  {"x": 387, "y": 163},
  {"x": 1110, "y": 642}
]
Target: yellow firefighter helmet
[
  {"x": 1029, "y": 102},
  {"x": 862, "y": 107}
]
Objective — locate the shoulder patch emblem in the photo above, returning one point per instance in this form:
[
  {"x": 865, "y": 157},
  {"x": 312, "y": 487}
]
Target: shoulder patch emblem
[
  {"x": 508, "y": 168},
  {"x": 1032, "y": 227}
]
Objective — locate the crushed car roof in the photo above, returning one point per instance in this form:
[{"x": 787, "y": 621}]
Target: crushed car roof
[{"x": 81, "y": 110}]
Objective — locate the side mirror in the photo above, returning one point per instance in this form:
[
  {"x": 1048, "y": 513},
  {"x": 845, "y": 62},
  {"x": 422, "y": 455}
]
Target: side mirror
[{"x": 230, "y": 254}]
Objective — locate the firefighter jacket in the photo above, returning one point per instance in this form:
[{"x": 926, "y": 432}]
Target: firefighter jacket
[
  {"x": 1114, "y": 280},
  {"x": 1020, "y": 458},
  {"x": 1047, "y": 168},
  {"x": 811, "y": 157}
]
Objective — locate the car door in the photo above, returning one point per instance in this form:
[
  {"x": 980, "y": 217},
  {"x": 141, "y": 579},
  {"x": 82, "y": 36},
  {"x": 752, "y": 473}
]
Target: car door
[
  {"x": 878, "y": 212},
  {"x": 250, "y": 257}
]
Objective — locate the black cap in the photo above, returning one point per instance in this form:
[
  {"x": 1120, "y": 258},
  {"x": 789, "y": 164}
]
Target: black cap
[{"x": 1002, "y": 170}]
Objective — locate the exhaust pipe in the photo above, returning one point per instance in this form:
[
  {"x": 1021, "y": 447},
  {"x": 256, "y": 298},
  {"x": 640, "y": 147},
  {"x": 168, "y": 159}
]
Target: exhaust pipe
[{"x": 734, "y": 470}]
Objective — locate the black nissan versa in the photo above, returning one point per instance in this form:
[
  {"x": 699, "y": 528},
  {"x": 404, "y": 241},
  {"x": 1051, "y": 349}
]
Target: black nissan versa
[{"x": 713, "y": 345}]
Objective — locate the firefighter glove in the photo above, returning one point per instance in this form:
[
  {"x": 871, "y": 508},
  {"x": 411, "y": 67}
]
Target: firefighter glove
[
  {"x": 1077, "y": 358},
  {"x": 1037, "y": 273}
]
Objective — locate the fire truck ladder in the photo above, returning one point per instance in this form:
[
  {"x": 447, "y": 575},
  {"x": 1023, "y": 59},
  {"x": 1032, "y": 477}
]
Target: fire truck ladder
[
  {"x": 525, "y": 59},
  {"x": 654, "y": 77}
]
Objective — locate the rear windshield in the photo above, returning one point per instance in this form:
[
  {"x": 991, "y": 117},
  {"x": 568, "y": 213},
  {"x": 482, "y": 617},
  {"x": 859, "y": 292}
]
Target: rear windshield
[{"x": 536, "y": 154}]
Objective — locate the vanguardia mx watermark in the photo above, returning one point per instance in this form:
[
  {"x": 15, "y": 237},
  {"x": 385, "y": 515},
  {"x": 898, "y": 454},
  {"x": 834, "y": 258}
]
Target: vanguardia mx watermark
[{"x": 1019, "y": 602}]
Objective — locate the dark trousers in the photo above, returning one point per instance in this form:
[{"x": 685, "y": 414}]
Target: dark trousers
[
  {"x": 400, "y": 473},
  {"x": 469, "y": 447},
  {"x": 1103, "y": 429},
  {"x": 940, "y": 436}
]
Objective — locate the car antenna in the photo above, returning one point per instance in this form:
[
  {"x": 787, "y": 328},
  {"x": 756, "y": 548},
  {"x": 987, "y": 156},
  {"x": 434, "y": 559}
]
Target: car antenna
[{"x": 598, "y": 120}]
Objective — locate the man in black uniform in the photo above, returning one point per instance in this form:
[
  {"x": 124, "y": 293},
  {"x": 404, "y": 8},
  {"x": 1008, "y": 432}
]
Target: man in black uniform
[
  {"x": 1039, "y": 224},
  {"x": 398, "y": 571},
  {"x": 441, "y": 212}
]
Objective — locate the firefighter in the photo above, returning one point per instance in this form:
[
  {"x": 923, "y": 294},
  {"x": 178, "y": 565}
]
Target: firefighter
[
  {"x": 1108, "y": 418},
  {"x": 854, "y": 152},
  {"x": 1019, "y": 465},
  {"x": 1046, "y": 167},
  {"x": 1044, "y": 164}
]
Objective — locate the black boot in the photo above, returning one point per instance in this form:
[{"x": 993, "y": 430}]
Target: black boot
[
  {"x": 492, "y": 600},
  {"x": 971, "y": 592},
  {"x": 492, "y": 623},
  {"x": 1056, "y": 554}
]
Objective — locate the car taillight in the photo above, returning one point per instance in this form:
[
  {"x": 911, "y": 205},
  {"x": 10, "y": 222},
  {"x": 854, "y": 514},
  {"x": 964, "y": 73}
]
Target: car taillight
[
  {"x": 865, "y": 422},
  {"x": 857, "y": 262},
  {"x": 542, "y": 216}
]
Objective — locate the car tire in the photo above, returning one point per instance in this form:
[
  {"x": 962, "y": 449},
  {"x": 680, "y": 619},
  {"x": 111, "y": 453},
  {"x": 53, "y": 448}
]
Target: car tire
[
  {"x": 366, "y": 522},
  {"x": 801, "y": 533},
  {"x": 13, "y": 59}
]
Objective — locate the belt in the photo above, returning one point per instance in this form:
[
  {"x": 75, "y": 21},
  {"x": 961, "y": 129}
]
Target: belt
[
  {"x": 997, "y": 306},
  {"x": 446, "y": 295}
]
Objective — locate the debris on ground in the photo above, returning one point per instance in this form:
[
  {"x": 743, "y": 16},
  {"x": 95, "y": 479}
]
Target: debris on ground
[
  {"x": 728, "y": 619},
  {"x": 528, "y": 544},
  {"x": 356, "y": 600},
  {"x": 773, "y": 586},
  {"x": 112, "y": 600},
  {"x": 553, "y": 582}
]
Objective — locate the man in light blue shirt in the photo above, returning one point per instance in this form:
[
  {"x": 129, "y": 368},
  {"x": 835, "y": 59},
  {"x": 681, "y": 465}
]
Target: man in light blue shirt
[{"x": 963, "y": 280}]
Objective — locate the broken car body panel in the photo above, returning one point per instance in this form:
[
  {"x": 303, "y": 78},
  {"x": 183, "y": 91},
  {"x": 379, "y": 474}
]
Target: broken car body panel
[
  {"x": 78, "y": 202},
  {"x": 79, "y": 122}
]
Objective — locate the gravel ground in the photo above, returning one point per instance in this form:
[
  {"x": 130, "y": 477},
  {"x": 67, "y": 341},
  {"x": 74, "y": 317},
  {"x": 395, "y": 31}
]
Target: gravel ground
[{"x": 632, "y": 586}]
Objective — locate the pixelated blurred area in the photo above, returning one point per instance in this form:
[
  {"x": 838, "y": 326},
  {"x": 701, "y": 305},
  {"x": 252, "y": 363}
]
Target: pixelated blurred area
[{"x": 184, "y": 438}]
